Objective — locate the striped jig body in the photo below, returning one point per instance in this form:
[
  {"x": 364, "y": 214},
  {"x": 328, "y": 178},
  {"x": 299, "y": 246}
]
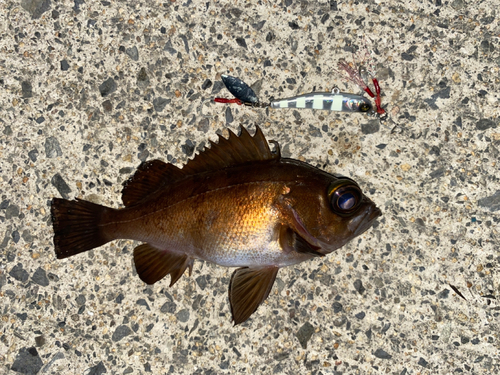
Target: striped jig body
[{"x": 334, "y": 101}]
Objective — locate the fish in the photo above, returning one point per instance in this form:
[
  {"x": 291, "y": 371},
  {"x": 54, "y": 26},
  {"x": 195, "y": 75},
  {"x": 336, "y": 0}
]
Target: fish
[{"x": 236, "y": 204}]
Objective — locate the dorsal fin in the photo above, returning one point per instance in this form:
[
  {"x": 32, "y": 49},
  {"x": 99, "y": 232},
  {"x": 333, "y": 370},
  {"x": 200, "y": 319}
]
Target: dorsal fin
[
  {"x": 149, "y": 177},
  {"x": 236, "y": 150},
  {"x": 231, "y": 152}
]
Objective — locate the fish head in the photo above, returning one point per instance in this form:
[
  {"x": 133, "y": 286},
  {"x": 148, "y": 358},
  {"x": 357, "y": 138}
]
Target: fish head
[{"x": 328, "y": 211}]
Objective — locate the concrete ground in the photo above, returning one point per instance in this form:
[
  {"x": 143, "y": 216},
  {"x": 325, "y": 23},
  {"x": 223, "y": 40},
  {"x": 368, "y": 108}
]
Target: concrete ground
[{"x": 89, "y": 89}]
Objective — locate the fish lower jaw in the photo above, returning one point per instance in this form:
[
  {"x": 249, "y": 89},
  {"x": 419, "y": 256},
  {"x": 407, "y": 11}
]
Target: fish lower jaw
[{"x": 364, "y": 222}]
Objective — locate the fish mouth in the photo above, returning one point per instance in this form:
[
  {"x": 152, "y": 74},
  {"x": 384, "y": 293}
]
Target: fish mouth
[{"x": 362, "y": 222}]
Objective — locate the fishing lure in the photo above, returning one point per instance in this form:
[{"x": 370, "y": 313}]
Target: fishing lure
[{"x": 331, "y": 101}]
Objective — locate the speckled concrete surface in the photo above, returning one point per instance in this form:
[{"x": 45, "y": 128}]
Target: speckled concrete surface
[{"x": 89, "y": 89}]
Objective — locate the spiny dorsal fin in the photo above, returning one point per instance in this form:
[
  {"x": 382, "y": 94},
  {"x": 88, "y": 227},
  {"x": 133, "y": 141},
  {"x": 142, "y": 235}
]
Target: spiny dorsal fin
[
  {"x": 231, "y": 152},
  {"x": 149, "y": 177},
  {"x": 153, "y": 174}
]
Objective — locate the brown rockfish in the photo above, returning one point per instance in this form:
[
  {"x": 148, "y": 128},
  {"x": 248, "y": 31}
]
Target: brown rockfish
[{"x": 236, "y": 204}]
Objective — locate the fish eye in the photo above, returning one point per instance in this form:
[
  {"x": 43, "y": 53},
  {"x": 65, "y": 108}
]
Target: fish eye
[
  {"x": 364, "y": 107},
  {"x": 345, "y": 196}
]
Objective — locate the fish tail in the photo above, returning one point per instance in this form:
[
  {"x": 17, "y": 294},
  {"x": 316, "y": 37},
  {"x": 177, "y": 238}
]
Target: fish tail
[{"x": 76, "y": 226}]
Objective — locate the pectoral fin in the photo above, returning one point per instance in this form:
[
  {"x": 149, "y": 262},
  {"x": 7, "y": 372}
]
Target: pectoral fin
[
  {"x": 294, "y": 235},
  {"x": 291, "y": 241},
  {"x": 153, "y": 264},
  {"x": 249, "y": 287}
]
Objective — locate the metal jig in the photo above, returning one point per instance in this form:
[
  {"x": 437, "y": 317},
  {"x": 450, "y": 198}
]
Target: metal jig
[{"x": 332, "y": 101}]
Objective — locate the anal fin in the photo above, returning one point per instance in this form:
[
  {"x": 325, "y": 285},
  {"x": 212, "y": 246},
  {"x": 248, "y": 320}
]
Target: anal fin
[
  {"x": 249, "y": 287},
  {"x": 153, "y": 264}
]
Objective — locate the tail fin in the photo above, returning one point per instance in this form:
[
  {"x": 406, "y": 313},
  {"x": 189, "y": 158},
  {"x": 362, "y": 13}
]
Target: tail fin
[{"x": 76, "y": 226}]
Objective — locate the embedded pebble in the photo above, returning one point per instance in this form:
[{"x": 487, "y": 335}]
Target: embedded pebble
[
  {"x": 304, "y": 334},
  {"x": 61, "y": 185},
  {"x": 370, "y": 127},
  {"x": 382, "y": 354},
  {"x": 160, "y": 104},
  {"x": 40, "y": 277},
  {"x": 183, "y": 315},
  {"x": 108, "y": 87},
  {"x": 98, "y": 369},
  {"x": 491, "y": 203},
  {"x": 337, "y": 307},
  {"x": 36, "y": 7},
  {"x": 11, "y": 211},
  {"x": 485, "y": 124},
  {"x": 121, "y": 332},
  {"x": 168, "y": 307},
  {"x": 64, "y": 65},
  {"x": 133, "y": 53},
  {"x": 358, "y": 285},
  {"x": 27, "y": 362},
  {"x": 52, "y": 147},
  {"x": 229, "y": 116},
  {"x": 18, "y": 273},
  {"x": 27, "y": 89},
  {"x": 77, "y": 4}
]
